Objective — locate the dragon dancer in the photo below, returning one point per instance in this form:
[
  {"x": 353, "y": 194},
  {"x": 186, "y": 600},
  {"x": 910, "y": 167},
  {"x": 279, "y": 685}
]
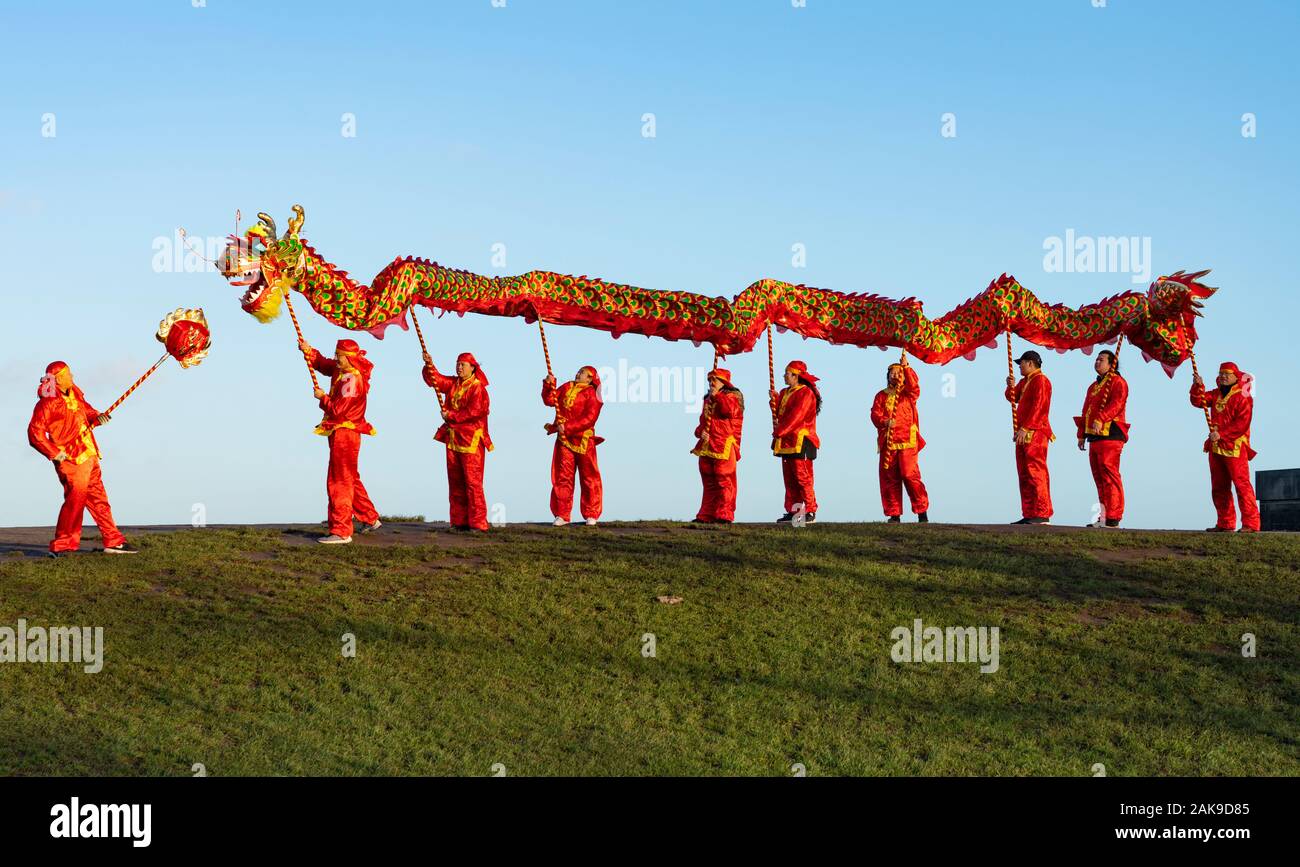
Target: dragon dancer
[
  {"x": 344, "y": 423},
  {"x": 577, "y": 407},
  {"x": 1103, "y": 430},
  {"x": 465, "y": 433},
  {"x": 718, "y": 448},
  {"x": 61, "y": 429},
  {"x": 1228, "y": 446},
  {"x": 899, "y": 442},
  {"x": 795, "y": 441},
  {"x": 1032, "y": 399}
]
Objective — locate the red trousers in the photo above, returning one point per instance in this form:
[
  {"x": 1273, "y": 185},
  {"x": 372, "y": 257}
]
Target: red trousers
[
  {"x": 903, "y": 472},
  {"x": 1103, "y": 457},
  {"x": 564, "y": 464},
  {"x": 347, "y": 496},
  {"x": 798, "y": 476},
  {"x": 719, "y": 478},
  {"x": 1225, "y": 474},
  {"x": 1035, "y": 486},
  {"x": 465, "y": 489},
  {"x": 83, "y": 488}
]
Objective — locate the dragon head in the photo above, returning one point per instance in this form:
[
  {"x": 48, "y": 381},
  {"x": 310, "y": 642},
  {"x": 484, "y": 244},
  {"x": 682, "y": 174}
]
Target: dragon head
[
  {"x": 1169, "y": 330},
  {"x": 264, "y": 266}
]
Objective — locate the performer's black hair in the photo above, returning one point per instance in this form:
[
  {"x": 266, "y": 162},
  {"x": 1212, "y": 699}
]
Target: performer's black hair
[{"x": 816, "y": 393}]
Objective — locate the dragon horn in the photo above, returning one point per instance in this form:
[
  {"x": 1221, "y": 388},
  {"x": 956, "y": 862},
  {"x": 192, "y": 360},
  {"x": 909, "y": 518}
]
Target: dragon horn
[
  {"x": 295, "y": 222},
  {"x": 265, "y": 219}
]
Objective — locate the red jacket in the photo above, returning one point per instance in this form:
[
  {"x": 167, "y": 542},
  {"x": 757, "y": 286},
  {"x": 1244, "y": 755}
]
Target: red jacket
[
  {"x": 905, "y": 432},
  {"x": 718, "y": 433},
  {"x": 466, "y": 428},
  {"x": 345, "y": 405},
  {"x": 796, "y": 420},
  {"x": 1105, "y": 401},
  {"x": 578, "y": 406},
  {"x": 63, "y": 423},
  {"x": 1230, "y": 414},
  {"x": 1033, "y": 398}
]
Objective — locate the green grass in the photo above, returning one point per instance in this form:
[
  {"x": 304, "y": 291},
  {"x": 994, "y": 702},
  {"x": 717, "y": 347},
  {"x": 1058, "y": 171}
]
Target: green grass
[{"x": 525, "y": 649}]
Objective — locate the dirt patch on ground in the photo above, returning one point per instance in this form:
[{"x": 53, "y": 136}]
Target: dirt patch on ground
[
  {"x": 1138, "y": 609},
  {"x": 1138, "y": 555}
]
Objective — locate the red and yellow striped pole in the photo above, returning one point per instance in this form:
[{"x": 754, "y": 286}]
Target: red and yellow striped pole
[
  {"x": 771, "y": 374},
  {"x": 1011, "y": 373},
  {"x": 148, "y": 373},
  {"x": 1196, "y": 372},
  {"x": 311, "y": 371},
  {"x": 424, "y": 352}
]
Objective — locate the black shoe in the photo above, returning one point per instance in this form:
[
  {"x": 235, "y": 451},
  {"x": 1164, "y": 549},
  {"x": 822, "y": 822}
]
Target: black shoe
[
  {"x": 894, "y": 519},
  {"x": 1021, "y": 521},
  {"x": 1217, "y": 529},
  {"x": 786, "y": 518},
  {"x": 460, "y": 527},
  {"x": 1112, "y": 522},
  {"x": 1038, "y": 521},
  {"x": 700, "y": 521},
  {"x": 922, "y": 517},
  {"x": 55, "y": 555},
  {"x": 122, "y": 549},
  {"x": 810, "y": 518}
]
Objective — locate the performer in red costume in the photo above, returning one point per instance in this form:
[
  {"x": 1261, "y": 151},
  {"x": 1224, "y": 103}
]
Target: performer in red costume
[
  {"x": 61, "y": 429},
  {"x": 465, "y": 433},
  {"x": 577, "y": 406},
  {"x": 344, "y": 423},
  {"x": 1228, "y": 445},
  {"x": 1032, "y": 397},
  {"x": 899, "y": 442},
  {"x": 718, "y": 448},
  {"x": 1102, "y": 429},
  {"x": 794, "y": 438}
]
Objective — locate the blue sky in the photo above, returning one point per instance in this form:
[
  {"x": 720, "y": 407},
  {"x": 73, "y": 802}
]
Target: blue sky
[{"x": 522, "y": 126}]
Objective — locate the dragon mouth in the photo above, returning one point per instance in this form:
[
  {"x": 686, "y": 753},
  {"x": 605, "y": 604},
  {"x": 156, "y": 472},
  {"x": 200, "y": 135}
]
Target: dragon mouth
[{"x": 255, "y": 295}]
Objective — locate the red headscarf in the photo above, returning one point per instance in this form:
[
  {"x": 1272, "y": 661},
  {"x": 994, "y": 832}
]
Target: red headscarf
[
  {"x": 722, "y": 374},
  {"x": 469, "y": 359},
  {"x": 811, "y": 381},
  {"x": 356, "y": 357},
  {"x": 595, "y": 379},
  {"x": 802, "y": 369},
  {"x": 51, "y": 371}
]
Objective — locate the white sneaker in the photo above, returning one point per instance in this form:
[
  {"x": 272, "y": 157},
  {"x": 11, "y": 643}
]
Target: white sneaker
[
  {"x": 1100, "y": 522},
  {"x": 335, "y": 540},
  {"x": 561, "y": 522},
  {"x": 370, "y": 528},
  {"x": 591, "y": 522}
]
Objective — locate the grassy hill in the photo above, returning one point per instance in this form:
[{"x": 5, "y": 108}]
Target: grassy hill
[{"x": 525, "y": 648}]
